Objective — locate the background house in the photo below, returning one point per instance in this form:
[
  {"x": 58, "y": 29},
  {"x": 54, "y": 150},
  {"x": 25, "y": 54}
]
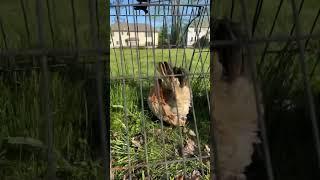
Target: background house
[
  {"x": 196, "y": 31},
  {"x": 132, "y": 35}
]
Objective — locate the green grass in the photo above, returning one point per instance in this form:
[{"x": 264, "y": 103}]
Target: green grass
[
  {"x": 20, "y": 99},
  {"x": 20, "y": 118},
  {"x": 133, "y": 119},
  {"x": 60, "y": 19},
  {"x": 134, "y": 62},
  {"x": 284, "y": 21}
]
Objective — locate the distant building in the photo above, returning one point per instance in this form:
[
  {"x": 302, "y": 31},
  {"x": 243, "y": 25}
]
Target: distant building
[
  {"x": 132, "y": 35},
  {"x": 196, "y": 31}
]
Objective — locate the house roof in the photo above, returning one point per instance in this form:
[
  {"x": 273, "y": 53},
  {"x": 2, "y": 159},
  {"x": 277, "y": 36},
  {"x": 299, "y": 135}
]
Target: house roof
[{"x": 132, "y": 27}]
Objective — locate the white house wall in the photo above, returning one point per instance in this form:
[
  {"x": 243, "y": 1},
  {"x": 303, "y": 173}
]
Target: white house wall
[
  {"x": 143, "y": 40},
  {"x": 193, "y": 36}
]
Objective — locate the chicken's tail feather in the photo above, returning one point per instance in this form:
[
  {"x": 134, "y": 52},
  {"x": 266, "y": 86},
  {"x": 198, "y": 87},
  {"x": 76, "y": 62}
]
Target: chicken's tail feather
[
  {"x": 170, "y": 75},
  {"x": 166, "y": 72}
]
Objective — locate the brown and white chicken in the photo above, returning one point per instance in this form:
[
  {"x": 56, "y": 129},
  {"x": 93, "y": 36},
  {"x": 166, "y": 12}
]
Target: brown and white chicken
[
  {"x": 170, "y": 97},
  {"x": 234, "y": 105}
]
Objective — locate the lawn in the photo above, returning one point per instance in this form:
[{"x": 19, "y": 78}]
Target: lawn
[
  {"x": 22, "y": 143},
  {"x": 22, "y": 133},
  {"x": 132, "y": 119},
  {"x": 134, "y": 62}
]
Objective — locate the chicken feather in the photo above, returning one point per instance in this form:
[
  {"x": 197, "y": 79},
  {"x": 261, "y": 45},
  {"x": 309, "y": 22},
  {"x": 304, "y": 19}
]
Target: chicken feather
[
  {"x": 235, "y": 111},
  {"x": 170, "y": 98}
]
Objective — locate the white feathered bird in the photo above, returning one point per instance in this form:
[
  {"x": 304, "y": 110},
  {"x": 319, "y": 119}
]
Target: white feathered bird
[{"x": 234, "y": 101}]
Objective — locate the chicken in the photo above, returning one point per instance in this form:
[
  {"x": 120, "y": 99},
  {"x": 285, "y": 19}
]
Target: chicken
[
  {"x": 170, "y": 97},
  {"x": 234, "y": 105}
]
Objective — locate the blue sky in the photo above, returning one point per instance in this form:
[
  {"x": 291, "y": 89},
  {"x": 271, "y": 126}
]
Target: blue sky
[{"x": 128, "y": 14}]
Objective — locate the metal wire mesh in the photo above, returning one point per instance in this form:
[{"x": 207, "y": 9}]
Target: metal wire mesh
[
  {"x": 43, "y": 46},
  {"x": 136, "y": 49},
  {"x": 50, "y": 64},
  {"x": 267, "y": 77},
  {"x": 259, "y": 38}
]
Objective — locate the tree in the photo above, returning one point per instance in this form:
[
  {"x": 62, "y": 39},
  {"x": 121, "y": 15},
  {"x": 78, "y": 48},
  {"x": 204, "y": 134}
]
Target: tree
[
  {"x": 202, "y": 42},
  {"x": 175, "y": 29},
  {"x": 163, "y": 37}
]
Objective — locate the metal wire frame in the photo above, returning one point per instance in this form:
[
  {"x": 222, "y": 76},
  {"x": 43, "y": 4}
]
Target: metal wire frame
[
  {"x": 148, "y": 22},
  {"x": 301, "y": 50},
  {"x": 124, "y": 99},
  {"x": 103, "y": 52},
  {"x": 100, "y": 67},
  {"x": 258, "y": 96},
  {"x": 157, "y": 15},
  {"x": 306, "y": 83},
  {"x": 41, "y": 52},
  {"x": 152, "y": 4},
  {"x": 51, "y": 174},
  {"x": 306, "y": 78},
  {"x": 163, "y": 163},
  {"x": 44, "y": 53}
]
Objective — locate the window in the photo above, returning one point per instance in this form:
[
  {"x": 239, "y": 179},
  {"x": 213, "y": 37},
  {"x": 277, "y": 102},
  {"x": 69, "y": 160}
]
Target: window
[
  {"x": 117, "y": 42},
  {"x": 191, "y": 39},
  {"x": 128, "y": 33},
  {"x": 149, "y": 43},
  {"x": 148, "y": 34}
]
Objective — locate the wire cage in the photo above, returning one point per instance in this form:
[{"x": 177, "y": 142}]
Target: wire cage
[
  {"x": 177, "y": 32},
  {"x": 277, "y": 45},
  {"x": 281, "y": 42},
  {"x": 54, "y": 87}
]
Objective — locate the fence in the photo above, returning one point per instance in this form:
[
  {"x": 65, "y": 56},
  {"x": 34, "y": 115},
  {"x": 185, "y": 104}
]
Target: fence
[
  {"x": 55, "y": 87},
  {"x": 139, "y": 41}
]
